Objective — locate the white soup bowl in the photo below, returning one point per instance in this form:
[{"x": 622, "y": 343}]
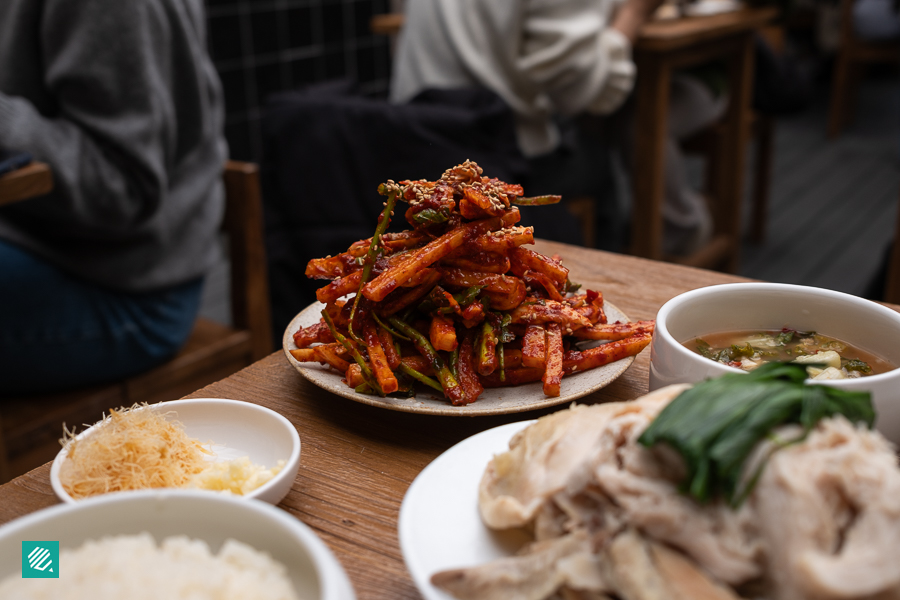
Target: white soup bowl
[{"x": 772, "y": 306}]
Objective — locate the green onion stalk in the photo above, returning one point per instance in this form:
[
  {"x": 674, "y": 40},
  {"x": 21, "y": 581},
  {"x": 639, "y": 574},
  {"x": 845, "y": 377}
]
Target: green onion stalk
[
  {"x": 367, "y": 374},
  {"x": 485, "y": 337},
  {"x": 454, "y": 362},
  {"x": 405, "y": 368},
  {"x": 388, "y": 328},
  {"x": 392, "y": 191},
  {"x": 716, "y": 424},
  {"x": 449, "y": 384},
  {"x": 537, "y": 200},
  {"x": 469, "y": 296}
]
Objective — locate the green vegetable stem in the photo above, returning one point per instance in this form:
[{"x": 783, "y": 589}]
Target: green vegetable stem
[
  {"x": 537, "y": 200},
  {"x": 449, "y": 383},
  {"x": 391, "y": 190},
  {"x": 367, "y": 374},
  {"x": 716, "y": 424}
]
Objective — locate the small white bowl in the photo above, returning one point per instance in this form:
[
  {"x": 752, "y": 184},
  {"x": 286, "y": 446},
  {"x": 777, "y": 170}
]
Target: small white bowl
[
  {"x": 213, "y": 518},
  {"x": 238, "y": 429},
  {"x": 771, "y": 306}
]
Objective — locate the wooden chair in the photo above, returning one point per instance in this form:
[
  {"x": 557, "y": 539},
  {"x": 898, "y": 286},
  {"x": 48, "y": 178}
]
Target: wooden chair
[
  {"x": 892, "y": 285},
  {"x": 30, "y": 427},
  {"x": 707, "y": 144},
  {"x": 854, "y": 54}
]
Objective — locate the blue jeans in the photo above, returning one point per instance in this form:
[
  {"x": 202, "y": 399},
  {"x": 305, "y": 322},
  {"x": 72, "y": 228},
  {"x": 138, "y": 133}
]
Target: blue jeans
[{"x": 59, "y": 333}]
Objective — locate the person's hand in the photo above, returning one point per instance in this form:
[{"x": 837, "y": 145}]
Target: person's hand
[{"x": 632, "y": 15}]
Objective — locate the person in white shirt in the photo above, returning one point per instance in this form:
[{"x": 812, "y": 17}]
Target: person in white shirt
[{"x": 546, "y": 59}]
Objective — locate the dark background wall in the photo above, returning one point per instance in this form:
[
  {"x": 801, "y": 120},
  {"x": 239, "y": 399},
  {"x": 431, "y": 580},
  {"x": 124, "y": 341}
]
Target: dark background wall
[{"x": 265, "y": 46}]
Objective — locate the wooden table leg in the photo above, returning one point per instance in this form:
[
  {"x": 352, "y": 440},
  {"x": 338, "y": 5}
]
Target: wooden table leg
[
  {"x": 892, "y": 287},
  {"x": 650, "y": 132},
  {"x": 740, "y": 75},
  {"x": 762, "y": 179}
]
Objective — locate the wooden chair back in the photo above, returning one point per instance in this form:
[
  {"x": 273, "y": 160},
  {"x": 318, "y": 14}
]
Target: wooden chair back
[
  {"x": 243, "y": 223},
  {"x": 30, "y": 427}
]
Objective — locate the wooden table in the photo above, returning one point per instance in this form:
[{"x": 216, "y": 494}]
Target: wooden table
[
  {"x": 32, "y": 180},
  {"x": 663, "y": 47},
  {"x": 358, "y": 460}
]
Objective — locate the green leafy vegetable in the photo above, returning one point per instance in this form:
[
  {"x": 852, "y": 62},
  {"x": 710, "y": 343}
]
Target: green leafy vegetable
[
  {"x": 429, "y": 216},
  {"x": 738, "y": 351},
  {"x": 716, "y": 424},
  {"x": 858, "y": 365},
  {"x": 785, "y": 337},
  {"x": 704, "y": 349}
]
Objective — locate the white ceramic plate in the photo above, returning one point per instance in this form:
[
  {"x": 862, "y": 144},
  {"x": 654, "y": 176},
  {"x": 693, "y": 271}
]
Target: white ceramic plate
[
  {"x": 439, "y": 526},
  {"x": 237, "y": 429},
  {"x": 495, "y": 401},
  {"x": 213, "y": 518}
]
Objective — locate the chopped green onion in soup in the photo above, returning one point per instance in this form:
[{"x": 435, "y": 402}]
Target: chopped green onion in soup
[{"x": 827, "y": 358}]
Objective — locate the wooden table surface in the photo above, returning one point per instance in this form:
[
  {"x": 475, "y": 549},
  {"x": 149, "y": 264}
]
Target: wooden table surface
[
  {"x": 358, "y": 461},
  {"x": 672, "y": 34},
  {"x": 32, "y": 180}
]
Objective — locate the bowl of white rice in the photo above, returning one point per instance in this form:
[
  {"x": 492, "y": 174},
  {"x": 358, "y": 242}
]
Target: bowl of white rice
[{"x": 170, "y": 544}]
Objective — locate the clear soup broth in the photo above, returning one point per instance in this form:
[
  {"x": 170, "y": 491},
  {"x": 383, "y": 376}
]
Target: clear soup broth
[{"x": 828, "y": 357}]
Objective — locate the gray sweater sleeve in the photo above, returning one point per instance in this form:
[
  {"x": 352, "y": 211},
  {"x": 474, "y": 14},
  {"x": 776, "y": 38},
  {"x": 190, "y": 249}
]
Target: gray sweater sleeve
[{"x": 112, "y": 134}]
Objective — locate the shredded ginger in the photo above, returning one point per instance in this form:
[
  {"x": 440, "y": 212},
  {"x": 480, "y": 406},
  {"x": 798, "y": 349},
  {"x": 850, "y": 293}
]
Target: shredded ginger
[{"x": 131, "y": 449}]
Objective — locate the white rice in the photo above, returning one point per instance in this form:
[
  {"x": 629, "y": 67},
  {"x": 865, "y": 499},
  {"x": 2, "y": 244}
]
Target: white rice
[{"x": 133, "y": 567}]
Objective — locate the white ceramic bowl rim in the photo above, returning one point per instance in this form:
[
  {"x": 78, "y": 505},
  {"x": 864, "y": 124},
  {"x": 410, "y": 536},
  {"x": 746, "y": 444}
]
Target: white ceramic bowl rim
[
  {"x": 289, "y": 464},
  {"x": 319, "y": 553},
  {"x": 662, "y": 328}
]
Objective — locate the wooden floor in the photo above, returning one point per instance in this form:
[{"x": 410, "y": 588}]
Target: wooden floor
[
  {"x": 832, "y": 205},
  {"x": 833, "y": 202}
]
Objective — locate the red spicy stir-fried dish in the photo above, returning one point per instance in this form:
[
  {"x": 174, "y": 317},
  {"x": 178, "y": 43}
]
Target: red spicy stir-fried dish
[{"x": 457, "y": 302}]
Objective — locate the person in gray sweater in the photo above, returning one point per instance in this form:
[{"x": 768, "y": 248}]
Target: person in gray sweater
[{"x": 101, "y": 278}]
